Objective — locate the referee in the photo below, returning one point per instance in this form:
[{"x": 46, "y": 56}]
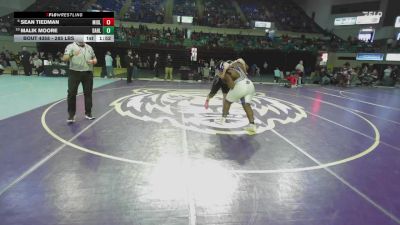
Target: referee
[{"x": 81, "y": 59}]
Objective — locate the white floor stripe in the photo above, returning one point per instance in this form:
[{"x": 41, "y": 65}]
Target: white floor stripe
[
  {"x": 49, "y": 156},
  {"x": 186, "y": 163},
  {"x": 346, "y": 108},
  {"x": 362, "y": 195},
  {"x": 55, "y": 152},
  {"x": 352, "y": 130},
  {"x": 357, "y": 100}
]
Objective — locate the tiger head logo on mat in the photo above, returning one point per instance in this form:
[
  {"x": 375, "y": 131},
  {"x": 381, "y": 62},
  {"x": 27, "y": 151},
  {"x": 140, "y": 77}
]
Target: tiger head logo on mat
[{"x": 184, "y": 108}]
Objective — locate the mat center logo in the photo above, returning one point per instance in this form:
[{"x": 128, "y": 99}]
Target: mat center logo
[{"x": 185, "y": 109}]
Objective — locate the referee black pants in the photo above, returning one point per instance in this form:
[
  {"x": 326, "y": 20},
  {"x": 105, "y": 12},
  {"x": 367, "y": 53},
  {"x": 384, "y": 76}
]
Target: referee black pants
[
  {"x": 27, "y": 69},
  {"x": 74, "y": 79},
  {"x": 129, "y": 74}
]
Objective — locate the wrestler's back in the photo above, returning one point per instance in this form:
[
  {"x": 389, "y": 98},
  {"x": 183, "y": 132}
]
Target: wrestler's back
[{"x": 233, "y": 73}]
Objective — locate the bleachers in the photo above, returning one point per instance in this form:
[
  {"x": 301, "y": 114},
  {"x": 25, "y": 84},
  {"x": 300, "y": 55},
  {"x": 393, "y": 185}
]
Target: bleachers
[
  {"x": 58, "y": 5},
  {"x": 288, "y": 16},
  {"x": 115, "y": 5},
  {"x": 254, "y": 10},
  {"x": 149, "y": 11},
  {"x": 184, "y": 7},
  {"x": 219, "y": 13},
  {"x": 6, "y": 26},
  {"x": 177, "y": 37}
]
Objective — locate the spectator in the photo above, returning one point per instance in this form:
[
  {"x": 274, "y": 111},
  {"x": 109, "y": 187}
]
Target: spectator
[
  {"x": 26, "y": 58},
  {"x": 375, "y": 75},
  {"x": 38, "y": 65},
  {"x": 136, "y": 63},
  {"x": 109, "y": 65},
  {"x": 265, "y": 66},
  {"x": 147, "y": 62},
  {"x": 118, "y": 61},
  {"x": 42, "y": 56},
  {"x": 129, "y": 64},
  {"x": 395, "y": 74},
  {"x": 7, "y": 58},
  {"x": 325, "y": 79},
  {"x": 346, "y": 75},
  {"x": 168, "y": 68},
  {"x": 257, "y": 71},
  {"x": 277, "y": 75},
  {"x": 387, "y": 72},
  {"x": 157, "y": 65},
  {"x": 292, "y": 78},
  {"x": 300, "y": 72},
  {"x": 253, "y": 69},
  {"x": 212, "y": 65}
]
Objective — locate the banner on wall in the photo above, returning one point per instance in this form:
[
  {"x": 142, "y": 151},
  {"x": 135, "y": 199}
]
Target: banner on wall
[
  {"x": 394, "y": 57},
  {"x": 262, "y": 24},
  {"x": 345, "y": 21},
  {"x": 366, "y": 35},
  {"x": 361, "y": 20},
  {"x": 184, "y": 19},
  {"x": 397, "y": 23},
  {"x": 369, "y": 56},
  {"x": 366, "y": 18}
]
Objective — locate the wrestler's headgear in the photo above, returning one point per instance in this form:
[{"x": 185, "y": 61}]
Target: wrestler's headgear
[{"x": 223, "y": 66}]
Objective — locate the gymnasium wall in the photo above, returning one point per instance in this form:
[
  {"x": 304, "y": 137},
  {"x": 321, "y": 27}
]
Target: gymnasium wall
[
  {"x": 9, "y": 6},
  {"x": 339, "y": 59},
  {"x": 325, "y": 19},
  {"x": 7, "y": 43}
]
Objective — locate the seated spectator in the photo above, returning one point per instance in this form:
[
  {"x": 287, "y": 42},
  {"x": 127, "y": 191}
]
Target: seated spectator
[
  {"x": 325, "y": 78},
  {"x": 38, "y": 65},
  {"x": 277, "y": 75},
  {"x": 292, "y": 78},
  {"x": 387, "y": 72},
  {"x": 344, "y": 76},
  {"x": 387, "y": 79}
]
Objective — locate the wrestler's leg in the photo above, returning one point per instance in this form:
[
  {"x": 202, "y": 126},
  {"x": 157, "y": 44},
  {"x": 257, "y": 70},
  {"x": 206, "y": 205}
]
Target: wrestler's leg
[
  {"x": 249, "y": 112},
  {"x": 225, "y": 108}
]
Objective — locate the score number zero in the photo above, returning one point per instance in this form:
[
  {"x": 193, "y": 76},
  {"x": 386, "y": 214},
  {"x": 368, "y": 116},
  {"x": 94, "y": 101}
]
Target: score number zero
[
  {"x": 108, "y": 21},
  {"x": 108, "y": 26}
]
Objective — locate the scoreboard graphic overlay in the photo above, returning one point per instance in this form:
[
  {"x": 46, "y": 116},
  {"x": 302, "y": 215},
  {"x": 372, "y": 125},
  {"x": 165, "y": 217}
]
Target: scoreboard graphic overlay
[{"x": 63, "y": 26}]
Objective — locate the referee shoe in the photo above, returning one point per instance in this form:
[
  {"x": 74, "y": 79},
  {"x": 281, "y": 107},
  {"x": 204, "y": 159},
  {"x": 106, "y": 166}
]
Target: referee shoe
[
  {"x": 71, "y": 119},
  {"x": 89, "y": 117}
]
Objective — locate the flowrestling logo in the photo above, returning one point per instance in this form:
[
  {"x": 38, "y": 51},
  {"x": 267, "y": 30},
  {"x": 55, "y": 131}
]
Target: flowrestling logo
[{"x": 185, "y": 109}]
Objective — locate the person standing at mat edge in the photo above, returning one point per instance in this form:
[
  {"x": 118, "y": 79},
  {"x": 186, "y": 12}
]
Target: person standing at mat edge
[
  {"x": 81, "y": 59},
  {"x": 168, "y": 68}
]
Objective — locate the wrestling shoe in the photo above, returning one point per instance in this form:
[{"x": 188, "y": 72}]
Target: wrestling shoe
[
  {"x": 221, "y": 120},
  {"x": 251, "y": 129}
]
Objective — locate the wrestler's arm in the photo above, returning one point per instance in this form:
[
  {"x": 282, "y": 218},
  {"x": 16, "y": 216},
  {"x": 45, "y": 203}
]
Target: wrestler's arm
[
  {"x": 241, "y": 63},
  {"x": 228, "y": 80},
  {"x": 216, "y": 85}
]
